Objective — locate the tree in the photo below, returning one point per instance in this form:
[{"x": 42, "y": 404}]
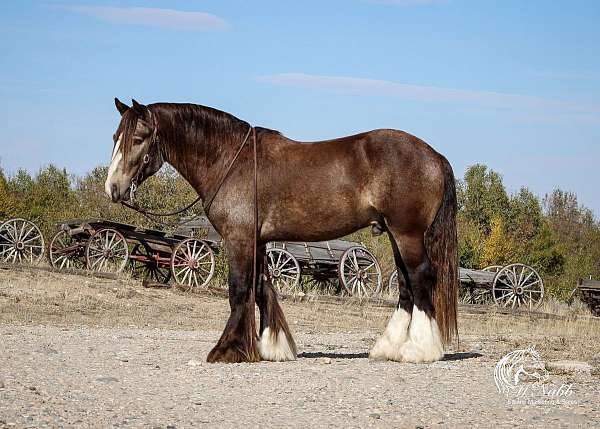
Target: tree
[
  {"x": 500, "y": 246},
  {"x": 7, "y": 202},
  {"x": 481, "y": 196},
  {"x": 579, "y": 236}
]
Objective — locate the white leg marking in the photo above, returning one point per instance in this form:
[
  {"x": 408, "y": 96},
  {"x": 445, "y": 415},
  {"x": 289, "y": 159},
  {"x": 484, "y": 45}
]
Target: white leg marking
[
  {"x": 424, "y": 343},
  {"x": 116, "y": 159},
  {"x": 395, "y": 334},
  {"x": 274, "y": 346}
]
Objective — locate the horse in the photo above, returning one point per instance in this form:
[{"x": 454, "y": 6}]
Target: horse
[{"x": 305, "y": 191}]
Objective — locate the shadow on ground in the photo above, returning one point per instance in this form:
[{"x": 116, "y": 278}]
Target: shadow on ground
[
  {"x": 364, "y": 355},
  {"x": 316, "y": 355},
  {"x": 461, "y": 355}
]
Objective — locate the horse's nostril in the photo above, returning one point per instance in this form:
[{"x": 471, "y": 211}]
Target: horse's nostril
[{"x": 114, "y": 192}]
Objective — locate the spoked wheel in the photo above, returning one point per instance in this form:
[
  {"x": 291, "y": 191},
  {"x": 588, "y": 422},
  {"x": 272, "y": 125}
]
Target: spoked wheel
[
  {"x": 359, "y": 272},
  {"x": 66, "y": 251},
  {"x": 393, "y": 289},
  {"x": 20, "y": 241},
  {"x": 145, "y": 265},
  {"x": 518, "y": 285},
  {"x": 284, "y": 271},
  {"x": 193, "y": 263},
  {"x": 107, "y": 251}
]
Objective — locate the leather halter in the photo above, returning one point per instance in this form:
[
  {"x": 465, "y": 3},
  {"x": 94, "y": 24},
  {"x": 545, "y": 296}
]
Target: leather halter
[{"x": 146, "y": 160}]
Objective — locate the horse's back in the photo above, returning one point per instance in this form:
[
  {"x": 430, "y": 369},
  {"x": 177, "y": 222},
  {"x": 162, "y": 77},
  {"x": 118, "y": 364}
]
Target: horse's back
[{"x": 363, "y": 177}]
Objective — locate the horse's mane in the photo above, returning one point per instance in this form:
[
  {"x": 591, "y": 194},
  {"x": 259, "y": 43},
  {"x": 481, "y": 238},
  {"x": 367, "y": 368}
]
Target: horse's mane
[{"x": 181, "y": 124}]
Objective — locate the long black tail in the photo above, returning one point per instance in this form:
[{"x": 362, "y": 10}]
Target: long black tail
[{"x": 442, "y": 248}]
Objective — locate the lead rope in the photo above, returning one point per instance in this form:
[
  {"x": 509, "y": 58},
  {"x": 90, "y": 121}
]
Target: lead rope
[{"x": 254, "y": 253}]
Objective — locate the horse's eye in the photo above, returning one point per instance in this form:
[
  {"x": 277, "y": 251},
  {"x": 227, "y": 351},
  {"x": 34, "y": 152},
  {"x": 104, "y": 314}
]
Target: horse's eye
[{"x": 138, "y": 140}]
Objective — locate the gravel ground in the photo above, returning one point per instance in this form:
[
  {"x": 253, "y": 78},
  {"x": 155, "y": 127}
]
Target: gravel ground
[
  {"x": 81, "y": 352},
  {"x": 99, "y": 377}
]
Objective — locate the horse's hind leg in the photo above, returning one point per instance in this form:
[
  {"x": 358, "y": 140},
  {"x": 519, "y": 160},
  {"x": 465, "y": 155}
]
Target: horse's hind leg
[
  {"x": 423, "y": 342},
  {"x": 396, "y": 332},
  {"x": 276, "y": 341}
]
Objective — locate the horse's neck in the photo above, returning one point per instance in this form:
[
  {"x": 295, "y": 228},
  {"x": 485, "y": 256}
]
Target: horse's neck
[{"x": 201, "y": 163}]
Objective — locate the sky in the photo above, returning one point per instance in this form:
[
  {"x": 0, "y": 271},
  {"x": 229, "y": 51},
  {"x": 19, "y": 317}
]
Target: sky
[{"x": 513, "y": 84}]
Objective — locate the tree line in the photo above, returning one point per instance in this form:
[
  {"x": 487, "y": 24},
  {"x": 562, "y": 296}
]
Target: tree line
[{"x": 555, "y": 234}]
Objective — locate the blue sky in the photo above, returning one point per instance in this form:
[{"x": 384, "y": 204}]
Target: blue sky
[{"x": 512, "y": 84}]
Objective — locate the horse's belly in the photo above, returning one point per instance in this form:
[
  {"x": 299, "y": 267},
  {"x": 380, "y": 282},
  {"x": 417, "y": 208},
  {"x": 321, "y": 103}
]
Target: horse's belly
[{"x": 302, "y": 221}]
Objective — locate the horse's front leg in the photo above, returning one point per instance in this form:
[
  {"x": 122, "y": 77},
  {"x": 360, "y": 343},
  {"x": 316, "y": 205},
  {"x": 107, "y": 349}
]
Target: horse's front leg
[{"x": 239, "y": 342}]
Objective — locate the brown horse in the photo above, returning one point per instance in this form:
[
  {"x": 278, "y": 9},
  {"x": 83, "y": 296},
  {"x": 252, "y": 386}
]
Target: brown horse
[{"x": 306, "y": 192}]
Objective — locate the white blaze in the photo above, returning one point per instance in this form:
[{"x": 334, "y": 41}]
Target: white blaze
[{"x": 116, "y": 159}]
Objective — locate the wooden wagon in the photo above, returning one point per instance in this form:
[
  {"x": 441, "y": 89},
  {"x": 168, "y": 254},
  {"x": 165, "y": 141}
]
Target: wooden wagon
[
  {"x": 514, "y": 285},
  {"x": 20, "y": 241},
  {"x": 589, "y": 292},
  {"x": 335, "y": 266},
  {"x": 103, "y": 245}
]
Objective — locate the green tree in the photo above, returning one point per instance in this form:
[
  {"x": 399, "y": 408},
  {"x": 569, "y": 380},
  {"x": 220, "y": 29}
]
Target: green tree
[{"x": 481, "y": 196}]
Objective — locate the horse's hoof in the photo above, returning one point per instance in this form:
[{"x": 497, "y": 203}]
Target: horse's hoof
[{"x": 232, "y": 354}]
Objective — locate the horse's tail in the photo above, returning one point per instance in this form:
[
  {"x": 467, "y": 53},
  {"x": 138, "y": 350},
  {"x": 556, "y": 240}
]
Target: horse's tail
[{"x": 442, "y": 248}]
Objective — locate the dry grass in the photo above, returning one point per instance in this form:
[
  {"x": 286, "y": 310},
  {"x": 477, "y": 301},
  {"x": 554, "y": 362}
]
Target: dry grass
[{"x": 58, "y": 299}]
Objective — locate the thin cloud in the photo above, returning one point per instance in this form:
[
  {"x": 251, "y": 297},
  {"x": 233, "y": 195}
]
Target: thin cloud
[
  {"x": 153, "y": 17},
  {"x": 384, "y": 88}
]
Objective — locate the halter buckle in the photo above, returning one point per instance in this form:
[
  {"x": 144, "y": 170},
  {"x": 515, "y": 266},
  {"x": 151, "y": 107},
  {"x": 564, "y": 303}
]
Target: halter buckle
[{"x": 132, "y": 190}]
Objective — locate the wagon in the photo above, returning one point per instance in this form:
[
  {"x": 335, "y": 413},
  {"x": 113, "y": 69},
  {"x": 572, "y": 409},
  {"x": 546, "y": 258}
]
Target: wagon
[
  {"x": 514, "y": 285},
  {"x": 328, "y": 266},
  {"x": 589, "y": 292},
  {"x": 20, "y": 241},
  {"x": 107, "y": 246}
]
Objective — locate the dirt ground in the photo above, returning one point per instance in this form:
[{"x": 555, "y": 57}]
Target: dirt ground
[{"x": 84, "y": 352}]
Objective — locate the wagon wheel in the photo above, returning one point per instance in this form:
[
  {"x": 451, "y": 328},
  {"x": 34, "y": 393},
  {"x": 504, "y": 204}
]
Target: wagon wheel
[
  {"x": 149, "y": 268},
  {"x": 284, "y": 270},
  {"x": 65, "y": 251},
  {"x": 193, "y": 263},
  {"x": 518, "y": 285},
  {"x": 393, "y": 285},
  {"x": 107, "y": 251},
  {"x": 20, "y": 241},
  {"x": 359, "y": 272}
]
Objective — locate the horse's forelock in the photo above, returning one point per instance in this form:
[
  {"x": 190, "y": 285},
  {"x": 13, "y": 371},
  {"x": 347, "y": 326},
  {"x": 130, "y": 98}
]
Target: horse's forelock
[{"x": 126, "y": 130}]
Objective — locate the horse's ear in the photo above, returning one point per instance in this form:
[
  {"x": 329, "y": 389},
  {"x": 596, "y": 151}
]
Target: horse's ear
[
  {"x": 140, "y": 109},
  {"x": 121, "y": 107}
]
